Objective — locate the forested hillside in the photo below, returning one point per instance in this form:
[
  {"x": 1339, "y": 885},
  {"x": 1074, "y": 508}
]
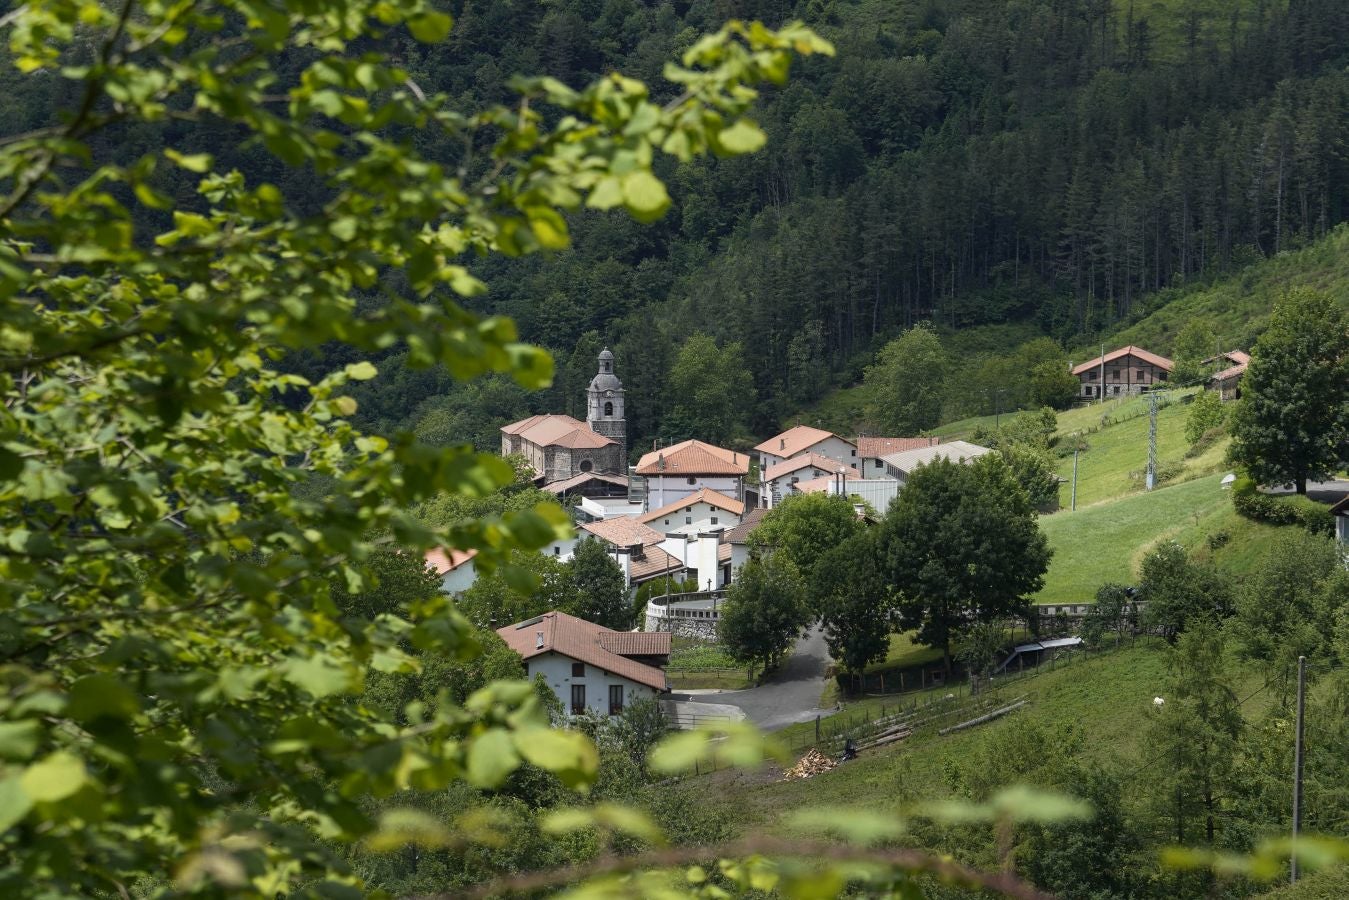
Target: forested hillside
[{"x": 1041, "y": 162}]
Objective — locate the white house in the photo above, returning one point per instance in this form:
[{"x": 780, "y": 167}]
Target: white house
[
  {"x": 1341, "y": 512},
  {"x": 870, "y": 451},
  {"x": 704, "y": 510},
  {"x": 900, "y": 465},
  {"x": 670, "y": 474},
  {"x": 804, "y": 439},
  {"x": 777, "y": 480},
  {"x": 455, "y": 568},
  {"x": 737, "y": 539},
  {"x": 590, "y": 667}
]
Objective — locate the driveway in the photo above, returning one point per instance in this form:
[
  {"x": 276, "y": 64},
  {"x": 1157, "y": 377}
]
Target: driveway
[
  {"x": 789, "y": 695},
  {"x": 1321, "y": 491}
]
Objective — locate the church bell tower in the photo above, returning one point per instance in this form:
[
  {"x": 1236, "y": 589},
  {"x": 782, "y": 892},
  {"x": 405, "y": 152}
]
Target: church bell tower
[{"x": 604, "y": 406}]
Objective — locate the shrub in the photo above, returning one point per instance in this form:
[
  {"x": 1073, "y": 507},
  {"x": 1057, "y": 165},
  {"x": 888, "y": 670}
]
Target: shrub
[
  {"x": 1206, "y": 414},
  {"x": 1205, "y": 441},
  {"x": 1286, "y": 510}
]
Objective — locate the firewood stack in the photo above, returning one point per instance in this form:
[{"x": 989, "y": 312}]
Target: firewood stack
[{"x": 813, "y": 763}]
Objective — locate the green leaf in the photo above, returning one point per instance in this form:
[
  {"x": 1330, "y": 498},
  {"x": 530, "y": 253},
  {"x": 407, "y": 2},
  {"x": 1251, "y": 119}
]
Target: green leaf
[
  {"x": 567, "y": 754},
  {"x": 361, "y": 371},
  {"x": 317, "y": 674},
  {"x": 54, "y": 778},
  {"x": 101, "y": 696},
  {"x": 19, "y": 740},
  {"x": 645, "y": 196},
  {"x": 857, "y": 826},
  {"x": 14, "y": 802},
  {"x": 430, "y": 27},
  {"x": 1022, "y": 804},
  {"x": 193, "y": 162},
  {"x": 400, "y": 827},
  {"x": 742, "y": 137},
  {"x": 491, "y": 759}
]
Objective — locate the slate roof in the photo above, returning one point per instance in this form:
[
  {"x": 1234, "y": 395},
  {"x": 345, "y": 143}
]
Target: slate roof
[
  {"x": 585, "y": 642},
  {"x": 795, "y": 440},
  {"x": 557, "y": 431},
  {"x": 874, "y": 447},
  {"x": 1160, "y": 361},
  {"x": 444, "y": 559},
  {"x": 624, "y": 531},
  {"x": 702, "y": 495},
  {"x": 693, "y": 458}
]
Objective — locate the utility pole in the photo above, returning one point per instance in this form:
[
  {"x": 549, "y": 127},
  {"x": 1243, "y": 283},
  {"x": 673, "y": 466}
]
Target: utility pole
[
  {"x": 1152, "y": 442},
  {"x": 1075, "y": 449},
  {"x": 1297, "y": 761},
  {"x": 1102, "y": 388}
]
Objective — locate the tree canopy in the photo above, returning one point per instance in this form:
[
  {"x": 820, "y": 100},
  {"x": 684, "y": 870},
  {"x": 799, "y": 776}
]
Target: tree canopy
[
  {"x": 764, "y": 611},
  {"x": 960, "y": 544}
]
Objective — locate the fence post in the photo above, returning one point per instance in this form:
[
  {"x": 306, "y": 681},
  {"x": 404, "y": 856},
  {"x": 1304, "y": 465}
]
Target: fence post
[{"x": 817, "y": 729}]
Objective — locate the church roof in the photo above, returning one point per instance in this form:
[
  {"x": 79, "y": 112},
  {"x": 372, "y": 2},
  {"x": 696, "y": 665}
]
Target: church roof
[
  {"x": 557, "y": 431},
  {"x": 606, "y": 381},
  {"x": 693, "y": 458}
]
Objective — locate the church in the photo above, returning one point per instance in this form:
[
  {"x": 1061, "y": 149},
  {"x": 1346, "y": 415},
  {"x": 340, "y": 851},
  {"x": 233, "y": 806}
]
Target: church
[{"x": 560, "y": 447}]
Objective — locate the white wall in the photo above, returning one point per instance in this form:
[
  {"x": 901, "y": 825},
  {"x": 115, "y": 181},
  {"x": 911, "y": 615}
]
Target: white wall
[
  {"x": 556, "y": 671},
  {"x": 662, "y": 490},
  {"x": 835, "y": 448},
  {"x": 694, "y": 518},
  {"x": 459, "y": 580}
]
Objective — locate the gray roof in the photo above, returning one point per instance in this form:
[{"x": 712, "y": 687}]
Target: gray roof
[{"x": 958, "y": 451}]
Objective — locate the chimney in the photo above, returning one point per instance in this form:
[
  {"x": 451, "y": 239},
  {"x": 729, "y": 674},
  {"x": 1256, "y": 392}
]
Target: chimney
[
  {"x": 538, "y": 640},
  {"x": 624, "y": 557},
  {"x": 782, "y": 443},
  {"x": 707, "y": 565},
  {"x": 660, "y": 462}
]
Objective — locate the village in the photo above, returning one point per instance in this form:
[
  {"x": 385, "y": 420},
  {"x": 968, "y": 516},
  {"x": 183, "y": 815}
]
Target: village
[{"x": 682, "y": 515}]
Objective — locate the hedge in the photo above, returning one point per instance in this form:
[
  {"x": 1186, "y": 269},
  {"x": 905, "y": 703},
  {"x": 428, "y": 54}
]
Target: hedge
[{"x": 1281, "y": 510}]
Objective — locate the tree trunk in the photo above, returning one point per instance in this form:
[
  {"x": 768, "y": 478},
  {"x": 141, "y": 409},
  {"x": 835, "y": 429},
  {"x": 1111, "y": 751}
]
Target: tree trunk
[{"x": 1302, "y": 485}]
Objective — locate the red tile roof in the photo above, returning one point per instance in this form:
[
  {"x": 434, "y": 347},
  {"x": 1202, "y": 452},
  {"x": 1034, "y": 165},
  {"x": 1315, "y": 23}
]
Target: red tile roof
[
  {"x": 702, "y": 495},
  {"x": 693, "y": 458},
  {"x": 820, "y": 485},
  {"x": 1160, "y": 361},
  {"x": 794, "y": 440},
  {"x": 624, "y": 531},
  {"x": 636, "y": 643},
  {"x": 875, "y": 447},
  {"x": 566, "y": 484},
  {"x": 654, "y": 563},
  {"x": 739, "y": 533},
  {"x": 445, "y": 560},
  {"x": 584, "y": 642},
  {"x": 557, "y": 431},
  {"x": 796, "y": 463}
]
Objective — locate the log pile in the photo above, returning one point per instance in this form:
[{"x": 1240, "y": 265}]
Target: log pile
[{"x": 813, "y": 763}]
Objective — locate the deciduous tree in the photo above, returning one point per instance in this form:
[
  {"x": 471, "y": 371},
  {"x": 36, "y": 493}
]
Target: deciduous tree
[
  {"x": 804, "y": 528},
  {"x": 960, "y": 545},
  {"x": 853, "y": 601},
  {"x": 764, "y": 612},
  {"x": 601, "y": 593},
  {"x": 905, "y": 387},
  {"x": 1292, "y": 422}
]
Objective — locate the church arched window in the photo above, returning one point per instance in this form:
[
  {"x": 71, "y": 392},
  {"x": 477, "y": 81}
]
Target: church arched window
[{"x": 608, "y": 408}]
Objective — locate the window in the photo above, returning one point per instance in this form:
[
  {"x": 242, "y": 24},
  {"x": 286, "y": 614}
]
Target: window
[
  {"x": 615, "y": 699},
  {"x": 688, "y": 520},
  {"x": 578, "y": 699},
  {"x": 667, "y": 521},
  {"x": 879, "y": 464},
  {"x": 586, "y": 465},
  {"x": 578, "y": 670},
  {"x": 714, "y": 520},
  {"x": 1140, "y": 374},
  {"x": 1091, "y": 376},
  {"x": 1114, "y": 374},
  {"x": 854, "y": 453},
  {"x": 557, "y": 551},
  {"x": 608, "y": 409},
  {"x": 526, "y": 670},
  {"x": 692, "y": 480}
]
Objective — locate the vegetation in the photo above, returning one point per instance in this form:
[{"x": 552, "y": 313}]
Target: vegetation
[
  {"x": 765, "y": 612},
  {"x": 960, "y": 545},
  {"x": 1290, "y": 425}
]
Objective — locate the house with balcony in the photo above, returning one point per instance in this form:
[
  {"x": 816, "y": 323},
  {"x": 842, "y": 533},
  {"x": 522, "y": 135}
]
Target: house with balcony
[{"x": 1121, "y": 372}]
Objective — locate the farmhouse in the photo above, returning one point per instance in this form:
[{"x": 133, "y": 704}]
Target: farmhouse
[
  {"x": 803, "y": 439},
  {"x": 1128, "y": 370},
  {"x": 559, "y": 448},
  {"x": 667, "y": 475},
  {"x": 1227, "y": 382},
  {"x": 591, "y": 668},
  {"x": 900, "y": 466}
]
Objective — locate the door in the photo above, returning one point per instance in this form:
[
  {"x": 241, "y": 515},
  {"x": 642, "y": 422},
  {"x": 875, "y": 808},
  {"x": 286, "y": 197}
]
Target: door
[{"x": 578, "y": 699}]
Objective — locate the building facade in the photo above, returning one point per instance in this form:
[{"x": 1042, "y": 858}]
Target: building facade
[
  {"x": 802, "y": 439},
  {"x": 1127, "y": 370},
  {"x": 670, "y": 474}
]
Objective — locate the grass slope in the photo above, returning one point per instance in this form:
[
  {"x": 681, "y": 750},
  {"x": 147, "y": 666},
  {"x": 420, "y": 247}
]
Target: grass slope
[{"x": 1105, "y": 542}]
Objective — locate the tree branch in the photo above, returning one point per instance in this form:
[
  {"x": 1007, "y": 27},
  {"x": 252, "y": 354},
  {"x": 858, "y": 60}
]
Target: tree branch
[{"x": 1004, "y": 883}]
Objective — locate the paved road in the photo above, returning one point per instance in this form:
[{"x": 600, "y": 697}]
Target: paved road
[
  {"x": 1322, "y": 491},
  {"x": 791, "y": 694}
]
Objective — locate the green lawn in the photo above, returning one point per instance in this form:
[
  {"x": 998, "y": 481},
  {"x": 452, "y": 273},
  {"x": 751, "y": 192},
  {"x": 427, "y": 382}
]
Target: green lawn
[{"x": 1105, "y": 542}]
